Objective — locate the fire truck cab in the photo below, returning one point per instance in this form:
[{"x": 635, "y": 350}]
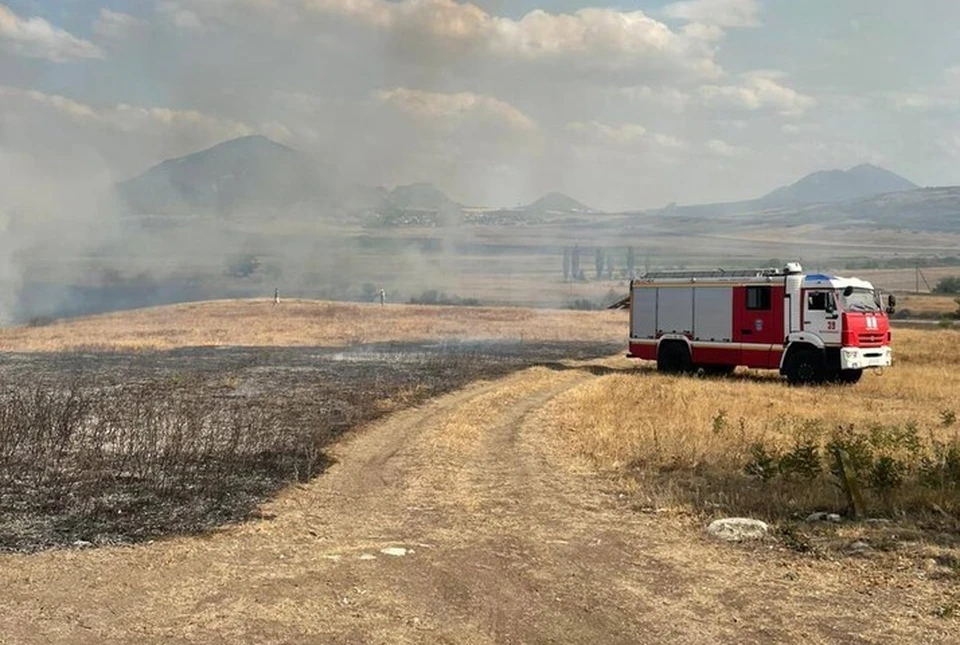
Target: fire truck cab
[{"x": 812, "y": 328}]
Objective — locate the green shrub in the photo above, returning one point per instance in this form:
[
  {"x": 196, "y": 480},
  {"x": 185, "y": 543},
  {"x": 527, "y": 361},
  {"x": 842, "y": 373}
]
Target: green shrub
[
  {"x": 763, "y": 465},
  {"x": 949, "y": 285},
  {"x": 803, "y": 462}
]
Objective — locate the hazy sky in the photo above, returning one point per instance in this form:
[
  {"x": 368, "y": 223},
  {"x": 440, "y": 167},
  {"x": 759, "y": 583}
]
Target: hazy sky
[{"x": 627, "y": 105}]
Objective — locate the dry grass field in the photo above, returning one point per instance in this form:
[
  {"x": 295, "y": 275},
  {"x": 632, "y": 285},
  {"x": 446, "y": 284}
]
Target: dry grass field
[
  {"x": 251, "y": 323},
  {"x": 751, "y": 445},
  {"x": 559, "y": 502},
  {"x": 926, "y": 304}
]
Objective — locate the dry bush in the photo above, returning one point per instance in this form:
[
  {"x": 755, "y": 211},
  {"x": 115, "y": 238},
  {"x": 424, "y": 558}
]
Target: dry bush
[{"x": 752, "y": 444}]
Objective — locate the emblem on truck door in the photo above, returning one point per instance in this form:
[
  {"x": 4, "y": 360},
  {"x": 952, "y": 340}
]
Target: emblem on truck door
[{"x": 758, "y": 325}]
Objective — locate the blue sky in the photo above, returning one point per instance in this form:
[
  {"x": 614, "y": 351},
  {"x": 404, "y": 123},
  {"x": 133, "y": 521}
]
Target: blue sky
[{"x": 622, "y": 105}]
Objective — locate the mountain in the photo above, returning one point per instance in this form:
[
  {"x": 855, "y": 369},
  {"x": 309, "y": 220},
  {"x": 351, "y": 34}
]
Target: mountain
[
  {"x": 419, "y": 197},
  {"x": 241, "y": 174},
  {"x": 828, "y": 186},
  {"x": 557, "y": 203}
]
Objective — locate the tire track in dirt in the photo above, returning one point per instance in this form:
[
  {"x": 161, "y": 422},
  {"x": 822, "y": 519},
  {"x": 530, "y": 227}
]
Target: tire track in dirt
[{"x": 454, "y": 522}]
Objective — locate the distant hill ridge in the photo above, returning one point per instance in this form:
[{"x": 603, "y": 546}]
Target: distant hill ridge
[
  {"x": 249, "y": 172},
  {"x": 419, "y": 196},
  {"x": 255, "y": 173},
  {"x": 558, "y": 202},
  {"x": 828, "y": 186}
]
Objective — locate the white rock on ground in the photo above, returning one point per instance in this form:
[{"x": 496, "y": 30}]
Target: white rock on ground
[
  {"x": 821, "y": 516},
  {"x": 738, "y": 529},
  {"x": 395, "y": 551}
]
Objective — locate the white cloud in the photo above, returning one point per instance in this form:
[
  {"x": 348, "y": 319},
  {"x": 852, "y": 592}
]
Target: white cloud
[
  {"x": 123, "y": 117},
  {"x": 950, "y": 144},
  {"x": 723, "y": 149},
  {"x": 667, "y": 142},
  {"x": 601, "y": 133},
  {"x": 116, "y": 25},
  {"x": 37, "y": 38},
  {"x": 596, "y": 38},
  {"x": 462, "y": 107},
  {"x": 924, "y": 102},
  {"x": 183, "y": 17},
  {"x": 721, "y": 13},
  {"x": 942, "y": 97},
  {"x": 625, "y": 135},
  {"x": 800, "y": 128},
  {"x": 759, "y": 90},
  {"x": 668, "y": 97}
]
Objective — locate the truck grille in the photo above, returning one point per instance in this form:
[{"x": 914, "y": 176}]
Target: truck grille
[{"x": 872, "y": 339}]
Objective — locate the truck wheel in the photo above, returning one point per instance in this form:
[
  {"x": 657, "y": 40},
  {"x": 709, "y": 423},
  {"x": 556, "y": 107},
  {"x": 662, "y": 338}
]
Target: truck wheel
[
  {"x": 849, "y": 376},
  {"x": 806, "y": 368},
  {"x": 673, "y": 358}
]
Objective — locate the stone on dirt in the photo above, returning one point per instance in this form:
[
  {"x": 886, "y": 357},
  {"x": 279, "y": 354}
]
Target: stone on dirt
[
  {"x": 820, "y": 516},
  {"x": 859, "y": 548},
  {"x": 738, "y": 529},
  {"x": 395, "y": 551}
]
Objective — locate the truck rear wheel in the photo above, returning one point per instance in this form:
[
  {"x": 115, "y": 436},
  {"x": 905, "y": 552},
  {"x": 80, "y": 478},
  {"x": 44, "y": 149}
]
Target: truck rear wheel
[
  {"x": 673, "y": 357},
  {"x": 806, "y": 367}
]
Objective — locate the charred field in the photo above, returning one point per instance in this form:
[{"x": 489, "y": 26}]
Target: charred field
[{"x": 120, "y": 446}]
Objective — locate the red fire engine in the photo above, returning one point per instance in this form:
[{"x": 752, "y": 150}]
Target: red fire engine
[{"x": 813, "y": 328}]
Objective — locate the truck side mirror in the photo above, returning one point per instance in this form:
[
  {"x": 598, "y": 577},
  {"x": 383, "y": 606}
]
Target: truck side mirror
[{"x": 891, "y": 304}]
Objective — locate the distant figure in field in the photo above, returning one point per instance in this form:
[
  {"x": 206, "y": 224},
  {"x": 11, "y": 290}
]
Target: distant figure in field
[
  {"x": 276, "y": 296},
  {"x": 383, "y": 297}
]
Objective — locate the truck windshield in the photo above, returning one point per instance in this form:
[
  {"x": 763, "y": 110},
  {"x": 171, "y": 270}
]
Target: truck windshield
[{"x": 859, "y": 300}]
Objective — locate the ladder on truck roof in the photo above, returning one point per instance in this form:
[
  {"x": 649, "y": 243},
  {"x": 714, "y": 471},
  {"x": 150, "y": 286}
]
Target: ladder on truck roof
[{"x": 715, "y": 274}]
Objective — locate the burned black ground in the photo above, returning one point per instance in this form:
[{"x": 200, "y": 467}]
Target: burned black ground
[{"x": 104, "y": 447}]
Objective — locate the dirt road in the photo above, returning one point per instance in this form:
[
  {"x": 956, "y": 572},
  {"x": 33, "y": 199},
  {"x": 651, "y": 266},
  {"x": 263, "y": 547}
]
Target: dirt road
[{"x": 459, "y": 521}]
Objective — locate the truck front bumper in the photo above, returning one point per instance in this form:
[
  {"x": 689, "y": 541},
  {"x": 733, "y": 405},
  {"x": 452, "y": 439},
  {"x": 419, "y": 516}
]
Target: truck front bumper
[{"x": 858, "y": 358}]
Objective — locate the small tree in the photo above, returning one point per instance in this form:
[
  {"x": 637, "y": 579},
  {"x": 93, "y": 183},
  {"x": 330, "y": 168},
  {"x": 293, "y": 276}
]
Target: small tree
[
  {"x": 566, "y": 263},
  {"x": 631, "y": 262},
  {"x": 575, "y": 262},
  {"x": 598, "y": 262},
  {"x": 949, "y": 285}
]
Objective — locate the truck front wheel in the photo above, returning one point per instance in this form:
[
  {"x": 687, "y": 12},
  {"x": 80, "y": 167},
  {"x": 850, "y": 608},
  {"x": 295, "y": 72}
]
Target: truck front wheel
[
  {"x": 806, "y": 367},
  {"x": 849, "y": 376}
]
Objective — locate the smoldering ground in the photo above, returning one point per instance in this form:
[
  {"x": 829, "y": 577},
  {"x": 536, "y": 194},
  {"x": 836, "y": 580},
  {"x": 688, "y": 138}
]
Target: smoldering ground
[{"x": 105, "y": 447}]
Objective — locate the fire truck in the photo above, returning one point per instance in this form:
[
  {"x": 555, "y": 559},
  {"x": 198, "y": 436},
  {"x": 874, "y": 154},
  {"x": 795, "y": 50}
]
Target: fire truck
[{"x": 813, "y": 328}]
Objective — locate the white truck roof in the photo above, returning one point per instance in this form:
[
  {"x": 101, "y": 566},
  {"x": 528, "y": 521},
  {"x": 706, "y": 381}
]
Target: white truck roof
[{"x": 823, "y": 281}]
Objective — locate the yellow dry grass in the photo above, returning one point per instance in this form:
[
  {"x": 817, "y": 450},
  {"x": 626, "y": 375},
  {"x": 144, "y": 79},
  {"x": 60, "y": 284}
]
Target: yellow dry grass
[
  {"x": 685, "y": 440},
  {"x": 927, "y": 304},
  {"x": 309, "y": 323}
]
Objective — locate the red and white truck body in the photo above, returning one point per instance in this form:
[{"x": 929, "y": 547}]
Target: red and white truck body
[{"x": 810, "y": 327}]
